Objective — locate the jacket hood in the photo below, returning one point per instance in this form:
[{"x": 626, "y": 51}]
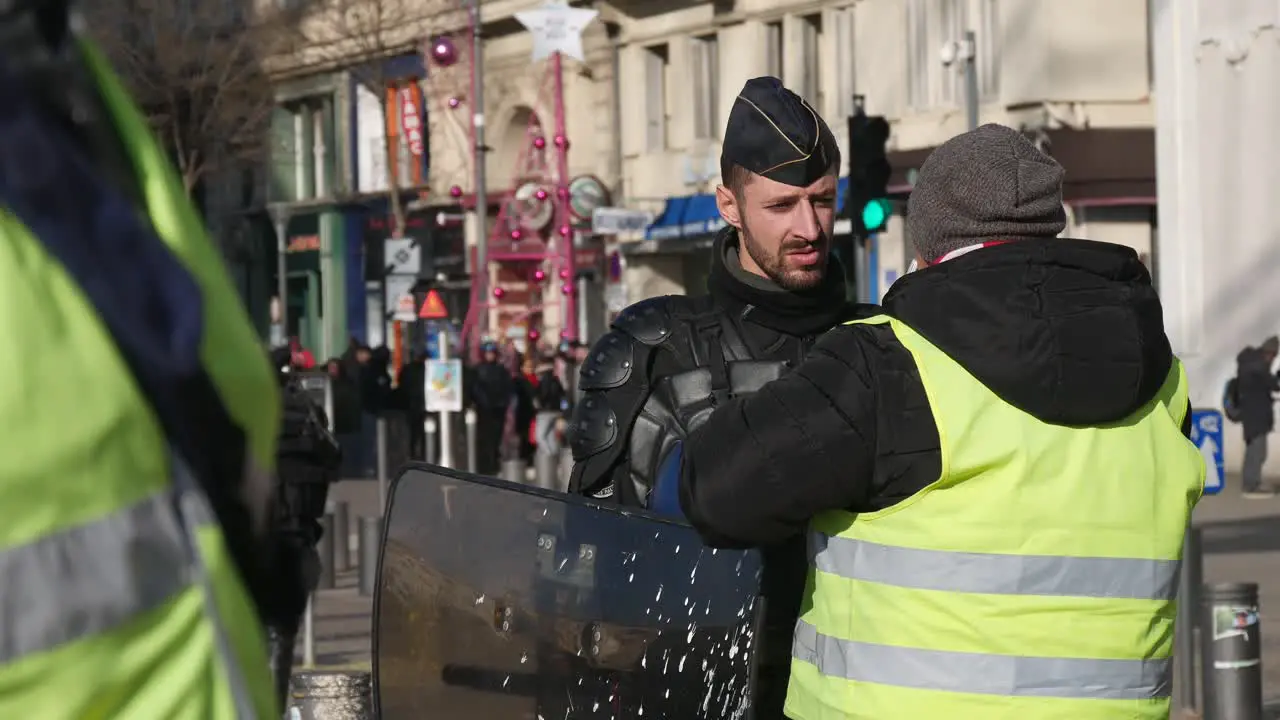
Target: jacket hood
[{"x": 1070, "y": 331}]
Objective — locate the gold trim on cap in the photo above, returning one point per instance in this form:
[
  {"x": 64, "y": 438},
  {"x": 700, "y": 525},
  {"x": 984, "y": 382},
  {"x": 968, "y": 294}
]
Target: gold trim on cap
[{"x": 817, "y": 134}]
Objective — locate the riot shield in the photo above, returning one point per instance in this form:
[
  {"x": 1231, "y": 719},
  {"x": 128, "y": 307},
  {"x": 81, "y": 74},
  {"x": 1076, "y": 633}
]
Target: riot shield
[{"x": 504, "y": 601}]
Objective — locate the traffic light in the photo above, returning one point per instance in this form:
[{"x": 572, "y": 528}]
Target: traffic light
[{"x": 867, "y": 202}]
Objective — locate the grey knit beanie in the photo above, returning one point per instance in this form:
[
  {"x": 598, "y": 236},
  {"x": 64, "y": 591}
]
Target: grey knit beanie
[{"x": 987, "y": 184}]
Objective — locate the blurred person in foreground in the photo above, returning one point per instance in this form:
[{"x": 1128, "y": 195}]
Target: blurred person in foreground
[
  {"x": 993, "y": 475},
  {"x": 308, "y": 461},
  {"x": 133, "y": 500}
]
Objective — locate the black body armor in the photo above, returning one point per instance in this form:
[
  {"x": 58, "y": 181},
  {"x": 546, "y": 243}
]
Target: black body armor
[{"x": 698, "y": 355}]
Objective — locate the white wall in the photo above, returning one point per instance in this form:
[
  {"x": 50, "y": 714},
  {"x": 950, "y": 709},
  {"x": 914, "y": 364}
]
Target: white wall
[
  {"x": 1217, "y": 152},
  {"x": 371, "y": 134}
]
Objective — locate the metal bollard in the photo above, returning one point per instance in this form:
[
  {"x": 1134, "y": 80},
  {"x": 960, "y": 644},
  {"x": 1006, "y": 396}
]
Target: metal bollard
[
  {"x": 566, "y": 470},
  {"x": 381, "y": 449},
  {"x": 1189, "y": 582},
  {"x": 330, "y": 695},
  {"x": 469, "y": 418},
  {"x": 546, "y": 459},
  {"x": 429, "y": 442},
  {"x": 326, "y": 549},
  {"x": 309, "y": 633},
  {"x": 342, "y": 537},
  {"x": 514, "y": 470},
  {"x": 546, "y": 466},
  {"x": 370, "y": 544},
  {"x": 1231, "y": 636}
]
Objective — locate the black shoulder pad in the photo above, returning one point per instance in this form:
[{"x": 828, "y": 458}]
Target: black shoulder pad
[
  {"x": 648, "y": 321},
  {"x": 610, "y": 363},
  {"x": 594, "y": 428}
]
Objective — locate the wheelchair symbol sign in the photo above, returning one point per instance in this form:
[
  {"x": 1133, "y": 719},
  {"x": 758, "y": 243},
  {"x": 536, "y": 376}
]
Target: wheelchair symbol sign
[{"x": 1206, "y": 433}]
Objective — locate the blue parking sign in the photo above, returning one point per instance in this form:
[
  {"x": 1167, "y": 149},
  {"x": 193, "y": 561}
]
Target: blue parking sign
[{"x": 1206, "y": 433}]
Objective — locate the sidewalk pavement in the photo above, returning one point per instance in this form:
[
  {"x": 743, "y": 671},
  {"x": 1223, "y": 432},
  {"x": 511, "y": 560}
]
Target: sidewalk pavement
[
  {"x": 1241, "y": 542},
  {"x": 342, "y": 618}
]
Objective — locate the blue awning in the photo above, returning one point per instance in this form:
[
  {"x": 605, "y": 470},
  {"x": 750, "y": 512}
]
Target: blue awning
[{"x": 686, "y": 216}]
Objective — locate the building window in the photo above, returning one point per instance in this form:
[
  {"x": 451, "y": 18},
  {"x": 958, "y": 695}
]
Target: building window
[
  {"x": 301, "y": 159},
  {"x": 988, "y": 50},
  {"x": 309, "y": 148},
  {"x": 656, "y": 66},
  {"x": 773, "y": 49},
  {"x": 319, "y": 151},
  {"x": 706, "y": 88},
  {"x": 952, "y": 17},
  {"x": 810, "y": 84},
  {"x": 845, "y": 69},
  {"x": 930, "y": 24},
  {"x": 918, "y": 55}
]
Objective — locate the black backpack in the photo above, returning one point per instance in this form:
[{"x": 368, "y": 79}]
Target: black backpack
[{"x": 1231, "y": 400}]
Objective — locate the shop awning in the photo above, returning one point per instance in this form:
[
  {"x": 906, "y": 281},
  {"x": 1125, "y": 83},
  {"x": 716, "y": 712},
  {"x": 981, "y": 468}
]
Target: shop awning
[{"x": 686, "y": 216}]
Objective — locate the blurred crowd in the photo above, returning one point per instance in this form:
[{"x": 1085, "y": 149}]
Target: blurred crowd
[{"x": 520, "y": 399}]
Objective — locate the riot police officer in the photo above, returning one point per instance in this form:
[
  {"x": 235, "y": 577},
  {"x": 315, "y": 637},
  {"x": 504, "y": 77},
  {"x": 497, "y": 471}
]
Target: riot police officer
[
  {"x": 308, "y": 462},
  {"x": 774, "y": 288}
]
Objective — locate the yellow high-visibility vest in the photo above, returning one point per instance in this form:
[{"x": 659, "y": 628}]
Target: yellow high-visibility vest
[
  {"x": 1034, "y": 580},
  {"x": 118, "y": 598}
]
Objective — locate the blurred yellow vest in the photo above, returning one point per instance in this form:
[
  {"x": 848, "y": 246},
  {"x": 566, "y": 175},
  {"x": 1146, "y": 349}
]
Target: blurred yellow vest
[{"x": 118, "y": 598}]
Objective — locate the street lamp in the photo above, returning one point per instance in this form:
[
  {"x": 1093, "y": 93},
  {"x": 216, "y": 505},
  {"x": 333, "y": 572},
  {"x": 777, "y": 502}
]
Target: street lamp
[
  {"x": 280, "y": 214},
  {"x": 964, "y": 51}
]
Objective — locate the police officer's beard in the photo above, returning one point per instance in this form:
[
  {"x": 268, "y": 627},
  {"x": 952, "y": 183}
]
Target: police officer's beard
[{"x": 774, "y": 264}]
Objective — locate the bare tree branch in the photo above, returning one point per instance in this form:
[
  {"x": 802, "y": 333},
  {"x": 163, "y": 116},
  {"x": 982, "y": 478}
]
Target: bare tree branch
[{"x": 196, "y": 68}]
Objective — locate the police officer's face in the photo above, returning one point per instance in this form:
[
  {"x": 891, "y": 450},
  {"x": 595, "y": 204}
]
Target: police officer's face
[{"x": 785, "y": 230}]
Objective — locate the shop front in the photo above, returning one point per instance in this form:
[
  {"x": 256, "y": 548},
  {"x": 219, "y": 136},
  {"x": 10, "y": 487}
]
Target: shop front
[{"x": 440, "y": 265}]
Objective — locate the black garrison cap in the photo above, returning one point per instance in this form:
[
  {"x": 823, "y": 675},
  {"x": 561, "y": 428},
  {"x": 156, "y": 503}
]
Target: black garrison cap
[{"x": 775, "y": 133}]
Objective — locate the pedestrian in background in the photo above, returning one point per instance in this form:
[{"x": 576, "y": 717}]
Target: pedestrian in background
[
  {"x": 1256, "y": 385},
  {"x": 490, "y": 391},
  {"x": 412, "y": 387},
  {"x": 307, "y": 463}
]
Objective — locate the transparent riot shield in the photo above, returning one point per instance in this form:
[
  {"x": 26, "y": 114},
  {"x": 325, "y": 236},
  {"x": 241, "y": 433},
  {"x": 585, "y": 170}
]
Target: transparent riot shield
[{"x": 505, "y": 601}]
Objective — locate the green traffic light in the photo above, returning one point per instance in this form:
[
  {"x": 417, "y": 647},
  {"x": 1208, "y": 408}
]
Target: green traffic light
[{"x": 875, "y": 214}]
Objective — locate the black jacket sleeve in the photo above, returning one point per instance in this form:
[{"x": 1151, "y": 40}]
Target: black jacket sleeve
[{"x": 763, "y": 465}]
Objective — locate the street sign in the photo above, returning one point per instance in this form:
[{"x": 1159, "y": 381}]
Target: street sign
[
  {"x": 612, "y": 221},
  {"x": 406, "y": 309},
  {"x": 433, "y": 307},
  {"x": 403, "y": 256},
  {"x": 1206, "y": 433},
  {"x": 444, "y": 386}
]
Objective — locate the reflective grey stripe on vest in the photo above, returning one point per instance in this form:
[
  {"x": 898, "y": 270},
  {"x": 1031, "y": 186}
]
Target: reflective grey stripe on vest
[
  {"x": 194, "y": 512},
  {"x": 995, "y": 574},
  {"x": 90, "y": 579},
  {"x": 93, "y": 578},
  {"x": 984, "y": 674}
]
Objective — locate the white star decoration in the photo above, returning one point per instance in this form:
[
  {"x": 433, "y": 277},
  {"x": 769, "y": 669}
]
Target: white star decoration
[{"x": 556, "y": 27}]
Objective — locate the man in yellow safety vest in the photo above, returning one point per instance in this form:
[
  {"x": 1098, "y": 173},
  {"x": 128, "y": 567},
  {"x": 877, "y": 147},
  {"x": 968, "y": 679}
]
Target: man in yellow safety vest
[
  {"x": 138, "y": 411},
  {"x": 993, "y": 474}
]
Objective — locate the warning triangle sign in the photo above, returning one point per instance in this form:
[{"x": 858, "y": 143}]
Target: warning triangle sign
[{"x": 433, "y": 307}]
